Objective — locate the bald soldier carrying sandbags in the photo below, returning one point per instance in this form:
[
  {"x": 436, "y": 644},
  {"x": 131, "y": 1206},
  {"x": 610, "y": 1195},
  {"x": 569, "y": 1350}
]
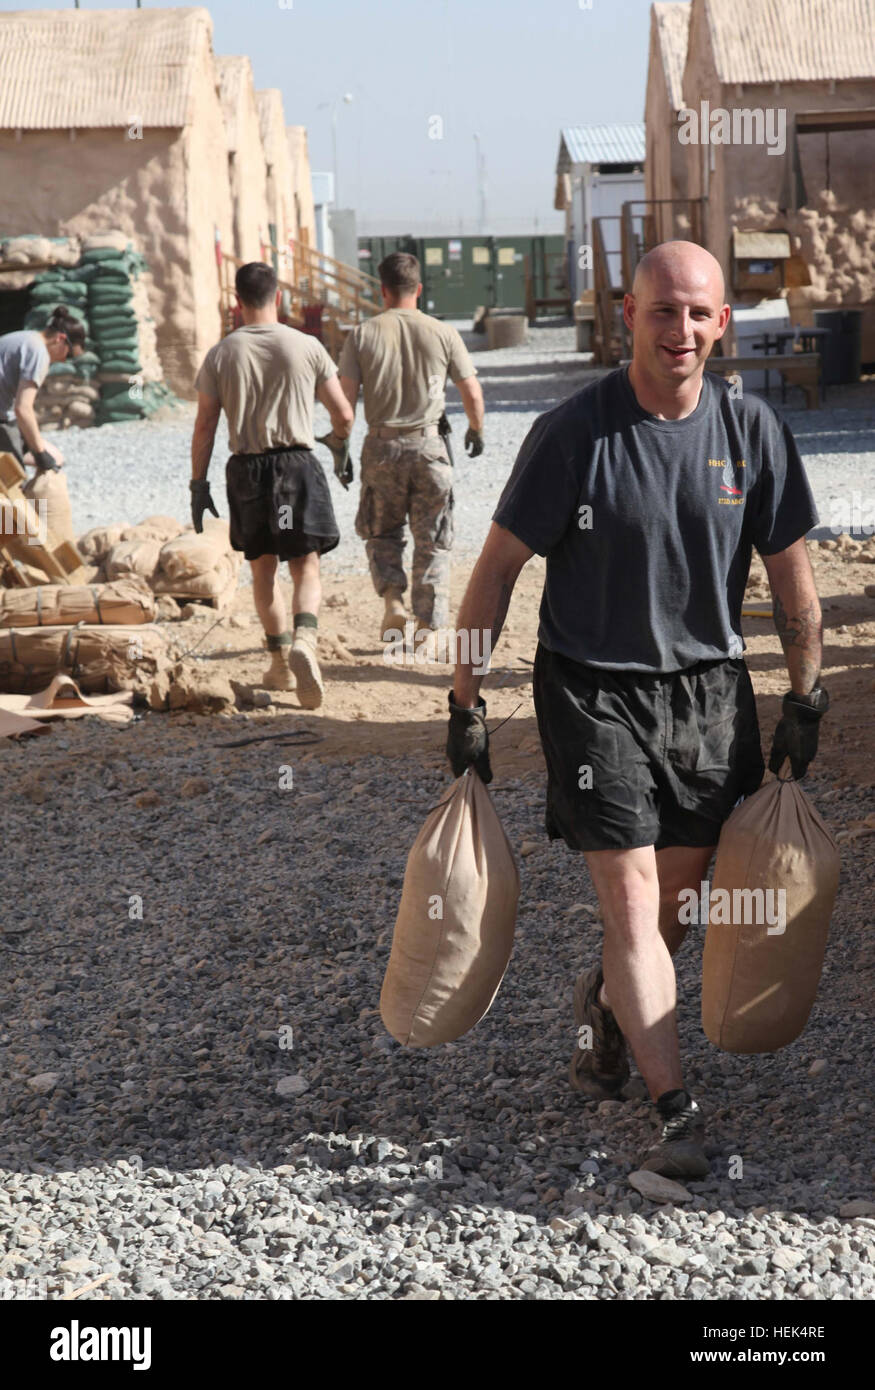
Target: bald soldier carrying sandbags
[
  {"x": 402, "y": 359},
  {"x": 647, "y": 492}
]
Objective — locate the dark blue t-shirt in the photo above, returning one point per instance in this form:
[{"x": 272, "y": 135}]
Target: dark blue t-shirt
[{"x": 651, "y": 578}]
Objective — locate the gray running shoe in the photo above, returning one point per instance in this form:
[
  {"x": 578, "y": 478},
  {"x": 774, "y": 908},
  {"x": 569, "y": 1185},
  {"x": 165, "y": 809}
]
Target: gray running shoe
[{"x": 680, "y": 1152}]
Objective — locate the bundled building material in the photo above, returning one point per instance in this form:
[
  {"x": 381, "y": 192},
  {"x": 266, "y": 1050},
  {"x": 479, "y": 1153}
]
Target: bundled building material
[
  {"x": 775, "y": 881},
  {"x": 454, "y": 931},
  {"x": 99, "y": 659},
  {"x": 123, "y": 603}
]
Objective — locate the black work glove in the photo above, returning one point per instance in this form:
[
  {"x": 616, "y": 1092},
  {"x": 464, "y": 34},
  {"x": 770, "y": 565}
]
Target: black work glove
[
  {"x": 797, "y": 731},
  {"x": 340, "y": 452},
  {"x": 201, "y": 502},
  {"x": 468, "y": 739},
  {"x": 46, "y": 462},
  {"x": 473, "y": 442}
]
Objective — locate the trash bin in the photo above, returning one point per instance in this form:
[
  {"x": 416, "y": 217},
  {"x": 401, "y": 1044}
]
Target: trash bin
[{"x": 842, "y": 350}]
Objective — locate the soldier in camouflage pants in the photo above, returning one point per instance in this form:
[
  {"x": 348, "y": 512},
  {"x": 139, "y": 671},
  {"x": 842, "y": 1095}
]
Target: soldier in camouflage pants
[
  {"x": 401, "y": 360},
  {"x": 409, "y": 478}
]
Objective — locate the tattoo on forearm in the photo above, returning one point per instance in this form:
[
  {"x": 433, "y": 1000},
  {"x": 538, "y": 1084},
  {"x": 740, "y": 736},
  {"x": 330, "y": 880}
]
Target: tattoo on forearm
[
  {"x": 802, "y": 635},
  {"x": 802, "y": 630}
]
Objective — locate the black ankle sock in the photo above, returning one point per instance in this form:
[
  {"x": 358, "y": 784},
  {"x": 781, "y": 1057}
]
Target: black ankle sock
[{"x": 673, "y": 1103}]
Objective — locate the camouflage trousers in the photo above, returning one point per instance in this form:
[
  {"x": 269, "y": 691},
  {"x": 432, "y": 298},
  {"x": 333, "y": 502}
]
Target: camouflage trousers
[{"x": 409, "y": 480}]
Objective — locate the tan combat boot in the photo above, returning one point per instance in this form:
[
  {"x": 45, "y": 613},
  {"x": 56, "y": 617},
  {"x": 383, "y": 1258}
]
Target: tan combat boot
[
  {"x": 278, "y": 676},
  {"x": 394, "y": 614},
  {"x": 305, "y": 668}
]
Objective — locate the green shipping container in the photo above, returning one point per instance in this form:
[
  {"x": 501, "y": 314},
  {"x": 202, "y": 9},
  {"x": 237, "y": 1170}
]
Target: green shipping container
[{"x": 459, "y": 274}]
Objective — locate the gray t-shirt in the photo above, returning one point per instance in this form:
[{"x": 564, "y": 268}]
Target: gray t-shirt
[
  {"x": 23, "y": 357},
  {"x": 265, "y": 376},
  {"x": 652, "y": 578}
]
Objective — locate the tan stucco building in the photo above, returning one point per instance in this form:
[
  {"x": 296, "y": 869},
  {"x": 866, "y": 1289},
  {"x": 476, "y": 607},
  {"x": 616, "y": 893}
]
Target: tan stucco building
[
  {"x": 278, "y": 167},
  {"x": 302, "y": 186},
  {"x": 111, "y": 119},
  {"x": 666, "y": 171},
  {"x": 246, "y": 162},
  {"x": 813, "y": 61}
]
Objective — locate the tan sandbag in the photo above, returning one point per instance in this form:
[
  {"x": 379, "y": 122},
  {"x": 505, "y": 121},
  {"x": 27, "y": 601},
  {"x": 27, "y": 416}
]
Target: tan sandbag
[
  {"x": 95, "y": 545},
  {"x": 99, "y": 659},
  {"x": 51, "y": 488},
  {"x": 762, "y": 964},
  {"x": 219, "y": 583},
  {"x": 125, "y": 601},
  {"x": 138, "y": 557},
  {"x": 154, "y": 528},
  {"x": 454, "y": 931},
  {"x": 190, "y": 554}
]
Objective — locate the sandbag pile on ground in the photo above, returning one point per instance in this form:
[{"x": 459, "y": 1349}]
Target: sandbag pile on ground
[
  {"x": 100, "y": 659},
  {"x": 123, "y": 329},
  {"x": 199, "y": 566},
  {"x": 123, "y": 603},
  {"x": 39, "y": 250},
  {"x": 171, "y": 560},
  {"x": 104, "y": 284}
]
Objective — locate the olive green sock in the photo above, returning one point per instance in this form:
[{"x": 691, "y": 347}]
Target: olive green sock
[
  {"x": 276, "y": 641},
  {"x": 306, "y": 620}
]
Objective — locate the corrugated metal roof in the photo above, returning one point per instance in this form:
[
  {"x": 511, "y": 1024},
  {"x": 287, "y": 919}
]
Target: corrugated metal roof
[
  {"x": 602, "y": 144},
  {"x": 673, "y": 29},
  {"x": 80, "y": 69},
  {"x": 792, "y": 40},
  {"x": 234, "y": 74}
]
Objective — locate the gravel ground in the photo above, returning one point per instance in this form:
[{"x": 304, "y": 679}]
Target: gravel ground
[
  {"x": 126, "y": 472},
  {"x": 159, "y": 1137}
]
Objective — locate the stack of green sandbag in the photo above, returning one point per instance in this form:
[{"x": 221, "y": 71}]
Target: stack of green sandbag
[{"x": 113, "y": 319}]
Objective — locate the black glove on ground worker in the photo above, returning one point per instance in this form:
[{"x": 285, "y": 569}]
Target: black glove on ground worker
[
  {"x": 340, "y": 451},
  {"x": 473, "y": 442},
  {"x": 201, "y": 502},
  {"x": 46, "y": 462},
  {"x": 796, "y": 734},
  {"x": 468, "y": 740}
]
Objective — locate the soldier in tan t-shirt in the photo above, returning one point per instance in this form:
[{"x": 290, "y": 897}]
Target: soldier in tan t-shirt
[
  {"x": 401, "y": 359},
  {"x": 265, "y": 376}
]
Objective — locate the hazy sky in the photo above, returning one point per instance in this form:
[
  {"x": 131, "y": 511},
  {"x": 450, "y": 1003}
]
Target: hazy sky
[{"x": 513, "y": 71}]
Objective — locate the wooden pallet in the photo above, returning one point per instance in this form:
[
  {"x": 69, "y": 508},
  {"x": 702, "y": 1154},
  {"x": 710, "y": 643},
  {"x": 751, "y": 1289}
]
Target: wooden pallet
[{"x": 59, "y": 560}]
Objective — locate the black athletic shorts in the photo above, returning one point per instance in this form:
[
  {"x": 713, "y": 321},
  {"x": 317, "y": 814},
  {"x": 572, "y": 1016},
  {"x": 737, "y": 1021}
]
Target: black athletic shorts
[
  {"x": 636, "y": 760},
  {"x": 280, "y": 504}
]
